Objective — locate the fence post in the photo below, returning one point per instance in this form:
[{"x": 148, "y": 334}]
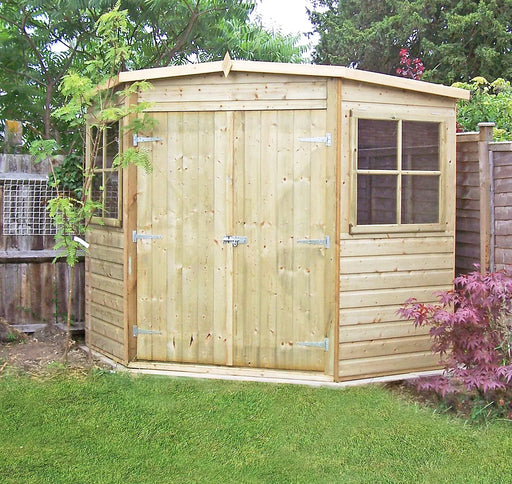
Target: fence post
[{"x": 485, "y": 137}]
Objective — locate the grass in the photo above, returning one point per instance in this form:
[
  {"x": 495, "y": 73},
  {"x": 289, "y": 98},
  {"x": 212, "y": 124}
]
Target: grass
[{"x": 111, "y": 428}]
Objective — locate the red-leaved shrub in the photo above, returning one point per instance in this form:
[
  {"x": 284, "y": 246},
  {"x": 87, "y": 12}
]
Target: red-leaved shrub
[{"x": 471, "y": 329}]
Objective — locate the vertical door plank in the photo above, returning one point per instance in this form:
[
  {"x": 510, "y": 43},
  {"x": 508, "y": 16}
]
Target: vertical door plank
[
  {"x": 247, "y": 257},
  {"x": 144, "y": 256},
  {"x": 191, "y": 143},
  {"x": 319, "y": 265},
  {"x": 175, "y": 237},
  {"x": 285, "y": 235},
  {"x": 205, "y": 253},
  {"x": 159, "y": 226},
  {"x": 302, "y": 229},
  {"x": 238, "y": 196},
  {"x": 267, "y": 228},
  {"x": 222, "y": 337}
]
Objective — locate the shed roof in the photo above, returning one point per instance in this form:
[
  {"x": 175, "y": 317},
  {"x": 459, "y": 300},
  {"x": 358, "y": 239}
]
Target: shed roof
[{"x": 228, "y": 65}]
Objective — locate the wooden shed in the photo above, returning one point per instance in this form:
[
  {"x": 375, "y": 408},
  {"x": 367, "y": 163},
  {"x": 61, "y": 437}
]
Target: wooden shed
[{"x": 291, "y": 209}]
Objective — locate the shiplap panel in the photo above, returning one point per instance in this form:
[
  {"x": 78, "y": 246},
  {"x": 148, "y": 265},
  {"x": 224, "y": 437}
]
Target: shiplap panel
[
  {"x": 389, "y": 263},
  {"x": 382, "y": 280},
  {"x": 193, "y": 93},
  {"x": 106, "y": 236},
  {"x": 360, "y": 92},
  {"x": 380, "y": 330},
  {"x": 383, "y": 347},
  {"x": 387, "y": 297},
  {"x": 105, "y": 290},
  {"x": 105, "y": 344},
  {"x": 387, "y": 365},
  {"x": 397, "y": 246}
]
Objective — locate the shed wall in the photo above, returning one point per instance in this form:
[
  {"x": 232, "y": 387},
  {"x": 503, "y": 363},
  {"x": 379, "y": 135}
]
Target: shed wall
[
  {"x": 379, "y": 272},
  {"x": 105, "y": 291}
]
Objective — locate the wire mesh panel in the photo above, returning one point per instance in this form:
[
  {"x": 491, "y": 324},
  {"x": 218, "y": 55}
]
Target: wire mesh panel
[{"x": 24, "y": 207}]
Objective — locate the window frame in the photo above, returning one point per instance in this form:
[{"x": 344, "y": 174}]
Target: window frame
[
  {"x": 400, "y": 117},
  {"x": 104, "y": 171}
]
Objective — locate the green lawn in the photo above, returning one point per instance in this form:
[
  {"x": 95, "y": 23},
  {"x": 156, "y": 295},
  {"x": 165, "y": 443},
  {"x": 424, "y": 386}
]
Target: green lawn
[{"x": 111, "y": 428}]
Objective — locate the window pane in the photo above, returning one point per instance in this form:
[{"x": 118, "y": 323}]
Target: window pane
[
  {"x": 376, "y": 148},
  {"x": 112, "y": 140},
  {"x": 420, "y": 199},
  {"x": 420, "y": 146},
  {"x": 96, "y": 148},
  {"x": 97, "y": 191},
  {"x": 111, "y": 194},
  {"x": 376, "y": 199}
]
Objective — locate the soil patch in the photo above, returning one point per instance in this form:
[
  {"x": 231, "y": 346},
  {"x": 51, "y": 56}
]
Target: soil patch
[{"x": 43, "y": 352}]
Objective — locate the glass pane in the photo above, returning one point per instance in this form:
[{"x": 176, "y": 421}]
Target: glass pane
[
  {"x": 96, "y": 148},
  {"x": 111, "y": 194},
  {"x": 376, "y": 199},
  {"x": 420, "y": 199},
  {"x": 420, "y": 146},
  {"x": 97, "y": 191},
  {"x": 112, "y": 141},
  {"x": 377, "y": 141}
]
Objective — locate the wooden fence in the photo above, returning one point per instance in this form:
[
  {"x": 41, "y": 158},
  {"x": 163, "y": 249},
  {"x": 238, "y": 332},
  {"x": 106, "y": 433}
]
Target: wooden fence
[
  {"x": 32, "y": 289},
  {"x": 484, "y": 201}
]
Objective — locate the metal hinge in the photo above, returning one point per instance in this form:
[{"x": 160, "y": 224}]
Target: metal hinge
[
  {"x": 137, "y": 331},
  {"x": 136, "y": 236},
  {"x": 315, "y": 344},
  {"x": 326, "y": 242},
  {"x": 143, "y": 139},
  {"x": 327, "y": 139}
]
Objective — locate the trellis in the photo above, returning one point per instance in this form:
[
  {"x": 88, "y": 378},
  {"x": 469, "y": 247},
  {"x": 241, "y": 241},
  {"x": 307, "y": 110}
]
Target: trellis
[{"x": 25, "y": 206}]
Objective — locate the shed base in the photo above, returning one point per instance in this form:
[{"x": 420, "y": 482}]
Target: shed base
[{"x": 312, "y": 379}]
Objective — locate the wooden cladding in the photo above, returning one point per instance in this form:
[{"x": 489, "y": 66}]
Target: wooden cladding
[
  {"x": 251, "y": 95},
  {"x": 268, "y": 153},
  {"x": 201, "y": 300},
  {"x": 104, "y": 291}
]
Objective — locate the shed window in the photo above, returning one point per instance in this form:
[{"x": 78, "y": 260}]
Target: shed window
[
  {"x": 106, "y": 177},
  {"x": 398, "y": 172}
]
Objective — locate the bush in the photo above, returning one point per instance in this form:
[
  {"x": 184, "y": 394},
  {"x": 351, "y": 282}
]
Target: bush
[
  {"x": 490, "y": 101},
  {"x": 471, "y": 329}
]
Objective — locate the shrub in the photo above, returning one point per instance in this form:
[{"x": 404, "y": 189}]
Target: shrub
[{"x": 471, "y": 329}]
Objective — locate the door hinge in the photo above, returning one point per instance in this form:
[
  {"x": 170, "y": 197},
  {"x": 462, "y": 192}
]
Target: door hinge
[
  {"x": 326, "y": 242},
  {"x": 315, "y": 344},
  {"x": 137, "y": 331},
  {"x": 143, "y": 139},
  {"x": 327, "y": 139},
  {"x": 136, "y": 236}
]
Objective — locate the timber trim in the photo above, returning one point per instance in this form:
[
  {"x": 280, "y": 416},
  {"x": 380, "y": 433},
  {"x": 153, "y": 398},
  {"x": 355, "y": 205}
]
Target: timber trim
[{"x": 295, "y": 69}]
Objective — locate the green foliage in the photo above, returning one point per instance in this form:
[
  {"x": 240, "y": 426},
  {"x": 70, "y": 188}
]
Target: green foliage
[
  {"x": 43, "y": 42},
  {"x": 455, "y": 40},
  {"x": 490, "y": 102}
]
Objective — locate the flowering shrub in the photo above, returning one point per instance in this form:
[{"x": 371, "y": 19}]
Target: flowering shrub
[
  {"x": 410, "y": 68},
  {"x": 471, "y": 329}
]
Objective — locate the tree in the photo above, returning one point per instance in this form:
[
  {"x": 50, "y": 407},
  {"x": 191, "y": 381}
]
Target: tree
[
  {"x": 456, "y": 40},
  {"x": 41, "y": 40},
  {"x": 103, "y": 107}
]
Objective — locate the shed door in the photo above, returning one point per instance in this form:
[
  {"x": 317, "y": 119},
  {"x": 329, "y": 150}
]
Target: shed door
[{"x": 265, "y": 303}]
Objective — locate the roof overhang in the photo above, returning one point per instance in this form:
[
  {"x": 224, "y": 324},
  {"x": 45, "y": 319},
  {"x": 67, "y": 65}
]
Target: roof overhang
[{"x": 227, "y": 66}]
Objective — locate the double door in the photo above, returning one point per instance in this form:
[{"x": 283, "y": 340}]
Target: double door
[{"x": 235, "y": 250}]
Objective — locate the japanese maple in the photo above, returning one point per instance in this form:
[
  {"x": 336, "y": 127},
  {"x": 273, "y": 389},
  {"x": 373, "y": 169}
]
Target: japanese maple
[{"x": 471, "y": 330}]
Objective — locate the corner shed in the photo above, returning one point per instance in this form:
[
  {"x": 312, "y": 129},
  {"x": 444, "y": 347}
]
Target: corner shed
[{"x": 290, "y": 211}]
